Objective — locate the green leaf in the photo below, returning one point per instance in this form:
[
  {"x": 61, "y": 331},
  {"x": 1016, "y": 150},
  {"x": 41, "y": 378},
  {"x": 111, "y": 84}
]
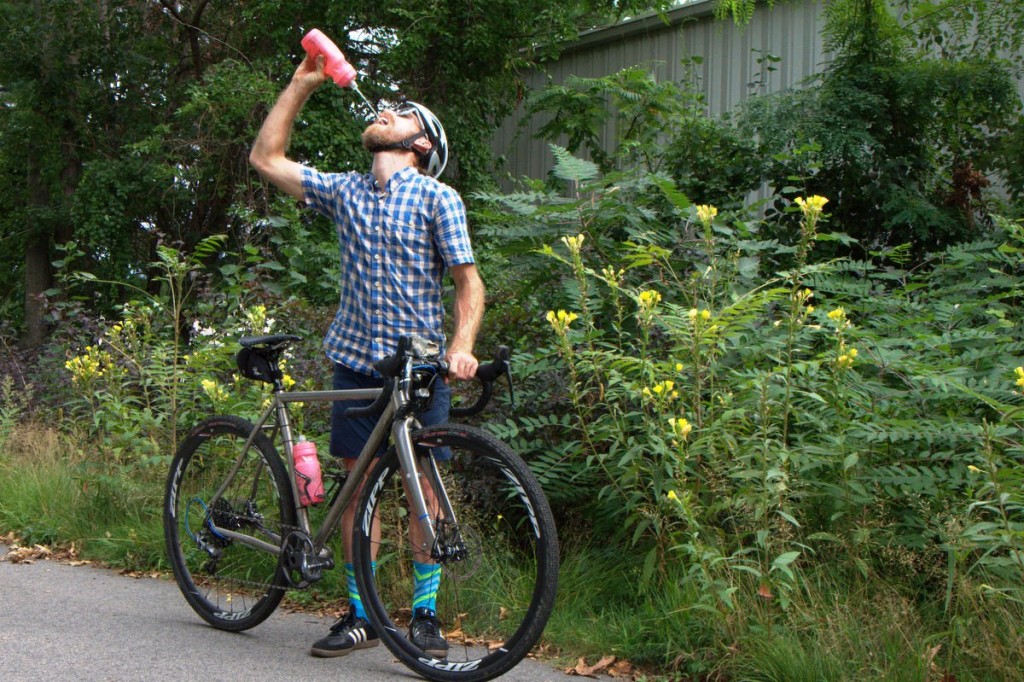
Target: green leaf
[
  {"x": 788, "y": 517},
  {"x": 650, "y": 564},
  {"x": 785, "y": 559},
  {"x": 569, "y": 167}
]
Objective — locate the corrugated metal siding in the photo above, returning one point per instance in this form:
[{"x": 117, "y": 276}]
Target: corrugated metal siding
[{"x": 789, "y": 30}]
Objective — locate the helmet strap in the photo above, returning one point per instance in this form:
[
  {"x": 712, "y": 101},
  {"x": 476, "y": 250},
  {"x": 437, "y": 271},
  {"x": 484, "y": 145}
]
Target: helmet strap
[{"x": 405, "y": 144}]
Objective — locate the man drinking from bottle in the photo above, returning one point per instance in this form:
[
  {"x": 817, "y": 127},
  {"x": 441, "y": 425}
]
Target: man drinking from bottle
[{"x": 399, "y": 230}]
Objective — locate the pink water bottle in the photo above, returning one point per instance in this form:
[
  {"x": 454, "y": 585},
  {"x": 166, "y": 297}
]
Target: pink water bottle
[
  {"x": 335, "y": 65},
  {"x": 308, "y": 478}
]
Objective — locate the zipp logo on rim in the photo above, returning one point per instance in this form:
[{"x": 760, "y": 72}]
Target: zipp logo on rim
[
  {"x": 374, "y": 492},
  {"x": 172, "y": 500},
  {"x": 450, "y": 667}
]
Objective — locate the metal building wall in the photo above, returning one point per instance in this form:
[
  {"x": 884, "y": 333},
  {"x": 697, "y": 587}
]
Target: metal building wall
[{"x": 790, "y": 30}]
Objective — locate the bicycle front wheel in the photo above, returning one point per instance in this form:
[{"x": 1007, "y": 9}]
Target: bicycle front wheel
[
  {"x": 229, "y": 580},
  {"x": 497, "y": 556}
]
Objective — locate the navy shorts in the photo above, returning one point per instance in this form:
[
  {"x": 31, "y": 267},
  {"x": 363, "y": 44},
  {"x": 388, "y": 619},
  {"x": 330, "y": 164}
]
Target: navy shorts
[{"x": 348, "y": 436}]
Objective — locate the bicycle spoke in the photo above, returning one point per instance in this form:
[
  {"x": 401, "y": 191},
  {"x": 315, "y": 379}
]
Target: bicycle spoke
[
  {"x": 229, "y": 582},
  {"x": 498, "y": 559}
]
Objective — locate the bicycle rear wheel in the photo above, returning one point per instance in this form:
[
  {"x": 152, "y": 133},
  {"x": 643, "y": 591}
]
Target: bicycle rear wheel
[
  {"x": 232, "y": 585},
  {"x": 498, "y": 556}
]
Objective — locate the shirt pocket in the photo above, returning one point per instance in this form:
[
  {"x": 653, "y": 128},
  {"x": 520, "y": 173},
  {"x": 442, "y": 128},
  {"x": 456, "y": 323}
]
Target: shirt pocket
[{"x": 411, "y": 238}]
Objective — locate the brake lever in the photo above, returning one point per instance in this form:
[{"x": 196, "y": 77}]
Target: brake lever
[{"x": 507, "y": 366}]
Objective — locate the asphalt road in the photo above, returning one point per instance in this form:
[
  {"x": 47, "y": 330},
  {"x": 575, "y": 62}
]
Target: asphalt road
[{"x": 59, "y": 621}]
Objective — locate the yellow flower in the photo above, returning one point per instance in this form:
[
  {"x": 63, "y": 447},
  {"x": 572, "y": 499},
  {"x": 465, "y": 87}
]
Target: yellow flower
[
  {"x": 812, "y": 206},
  {"x": 693, "y": 314},
  {"x": 681, "y": 427},
  {"x": 613, "y": 276},
  {"x": 647, "y": 301},
  {"x": 216, "y": 392},
  {"x": 973, "y": 469},
  {"x": 662, "y": 389},
  {"x": 257, "y": 318},
  {"x": 1020, "y": 376},
  {"x": 679, "y": 367},
  {"x": 649, "y": 298},
  {"x": 837, "y": 315},
  {"x": 706, "y": 214},
  {"x": 672, "y": 496},
  {"x": 561, "y": 320},
  {"x": 574, "y": 244},
  {"x": 705, "y": 315},
  {"x": 90, "y": 365}
]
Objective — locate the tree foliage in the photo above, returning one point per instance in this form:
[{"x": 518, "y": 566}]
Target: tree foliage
[
  {"x": 126, "y": 123},
  {"x": 900, "y": 140}
]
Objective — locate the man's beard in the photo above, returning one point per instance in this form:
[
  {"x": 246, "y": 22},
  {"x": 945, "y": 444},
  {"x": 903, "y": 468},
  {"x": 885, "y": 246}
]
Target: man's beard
[{"x": 376, "y": 138}]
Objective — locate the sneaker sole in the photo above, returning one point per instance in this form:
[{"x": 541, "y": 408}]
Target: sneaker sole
[{"x": 334, "y": 653}]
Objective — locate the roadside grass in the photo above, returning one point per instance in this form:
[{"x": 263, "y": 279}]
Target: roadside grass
[
  {"x": 39, "y": 497},
  {"x": 55, "y": 491}
]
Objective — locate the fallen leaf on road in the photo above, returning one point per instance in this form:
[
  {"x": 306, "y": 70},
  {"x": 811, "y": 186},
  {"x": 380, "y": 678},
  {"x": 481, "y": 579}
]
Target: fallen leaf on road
[
  {"x": 584, "y": 670},
  {"x": 26, "y": 555},
  {"x": 621, "y": 668}
]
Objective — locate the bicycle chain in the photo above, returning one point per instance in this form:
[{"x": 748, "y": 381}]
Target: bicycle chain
[{"x": 285, "y": 530}]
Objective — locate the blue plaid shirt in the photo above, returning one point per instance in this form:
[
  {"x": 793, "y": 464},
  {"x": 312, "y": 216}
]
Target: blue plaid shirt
[{"x": 395, "y": 246}]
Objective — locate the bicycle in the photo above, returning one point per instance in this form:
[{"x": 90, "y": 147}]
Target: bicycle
[{"x": 238, "y": 539}]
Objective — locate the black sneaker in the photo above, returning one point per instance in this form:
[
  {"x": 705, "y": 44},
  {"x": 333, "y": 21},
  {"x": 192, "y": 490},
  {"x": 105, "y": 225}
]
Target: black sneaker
[
  {"x": 425, "y": 634},
  {"x": 348, "y": 634}
]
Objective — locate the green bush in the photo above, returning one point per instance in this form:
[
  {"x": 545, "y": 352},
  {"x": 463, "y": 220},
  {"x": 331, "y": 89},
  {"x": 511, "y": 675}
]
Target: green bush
[{"x": 736, "y": 433}]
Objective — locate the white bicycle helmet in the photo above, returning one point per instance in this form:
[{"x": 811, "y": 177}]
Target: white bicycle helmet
[{"x": 433, "y": 161}]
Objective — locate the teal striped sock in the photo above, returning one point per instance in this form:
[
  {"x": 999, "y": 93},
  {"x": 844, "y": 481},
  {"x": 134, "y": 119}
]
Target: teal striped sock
[
  {"x": 355, "y": 602},
  {"x": 427, "y": 579}
]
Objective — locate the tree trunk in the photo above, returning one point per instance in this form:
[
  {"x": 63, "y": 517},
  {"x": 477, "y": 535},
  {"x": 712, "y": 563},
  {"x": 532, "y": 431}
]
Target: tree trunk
[
  {"x": 37, "y": 261},
  {"x": 37, "y": 281}
]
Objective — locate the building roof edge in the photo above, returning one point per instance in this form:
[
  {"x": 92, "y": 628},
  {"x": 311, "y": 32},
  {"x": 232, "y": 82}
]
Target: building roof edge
[{"x": 642, "y": 23}]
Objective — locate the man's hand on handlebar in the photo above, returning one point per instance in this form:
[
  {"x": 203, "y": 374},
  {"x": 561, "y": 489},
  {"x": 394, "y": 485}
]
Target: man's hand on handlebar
[{"x": 461, "y": 365}]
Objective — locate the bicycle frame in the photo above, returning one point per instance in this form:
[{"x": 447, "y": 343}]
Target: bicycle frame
[{"x": 399, "y": 430}]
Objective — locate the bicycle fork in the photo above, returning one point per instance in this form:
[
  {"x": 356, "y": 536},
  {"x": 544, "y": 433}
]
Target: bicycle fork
[{"x": 430, "y": 543}]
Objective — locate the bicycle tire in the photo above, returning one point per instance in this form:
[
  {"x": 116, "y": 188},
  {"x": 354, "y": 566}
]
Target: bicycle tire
[
  {"x": 230, "y": 585},
  {"x": 494, "y": 599}
]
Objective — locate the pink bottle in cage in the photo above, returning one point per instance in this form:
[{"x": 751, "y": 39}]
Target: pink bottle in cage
[{"x": 308, "y": 478}]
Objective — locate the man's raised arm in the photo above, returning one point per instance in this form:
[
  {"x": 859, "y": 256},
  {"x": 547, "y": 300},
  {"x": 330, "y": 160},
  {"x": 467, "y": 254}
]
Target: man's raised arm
[{"x": 268, "y": 152}]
